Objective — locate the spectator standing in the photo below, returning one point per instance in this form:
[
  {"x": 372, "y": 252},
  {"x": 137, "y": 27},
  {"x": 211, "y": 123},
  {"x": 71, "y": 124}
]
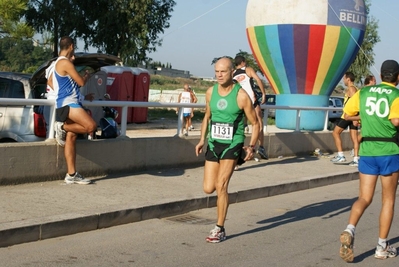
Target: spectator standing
[
  {"x": 369, "y": 80},
  {"x": 342, "y": 124},
  {"x": 191, "y": 127},
  {"x": 187, "y": 96}
]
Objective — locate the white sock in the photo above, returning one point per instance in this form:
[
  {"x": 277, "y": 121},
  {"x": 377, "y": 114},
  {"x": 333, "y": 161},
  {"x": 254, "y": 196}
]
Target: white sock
[
  {"x": 341, "y": 154},
  {"x": 382, "y": 243},
  {"x": 351, "y": 229}
]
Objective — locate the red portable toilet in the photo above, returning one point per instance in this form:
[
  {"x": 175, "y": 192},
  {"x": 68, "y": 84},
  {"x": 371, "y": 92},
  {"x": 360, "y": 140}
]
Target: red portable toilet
[
  {"x": 141, "y": 89},
  {"x": 120, "y": 87}
]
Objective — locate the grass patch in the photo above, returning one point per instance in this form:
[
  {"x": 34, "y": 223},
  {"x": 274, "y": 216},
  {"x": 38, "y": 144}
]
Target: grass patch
[
  {"x": 172, "y": 83},
  {"x": 199, "y": 86},
  {"x": 165, "y": 113}
]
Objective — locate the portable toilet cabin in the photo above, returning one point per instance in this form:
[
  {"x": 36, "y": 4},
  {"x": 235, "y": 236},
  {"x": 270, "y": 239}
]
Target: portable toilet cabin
[
  {"x": 141, "y": 89},
  {"x": 120, "y": 87}
]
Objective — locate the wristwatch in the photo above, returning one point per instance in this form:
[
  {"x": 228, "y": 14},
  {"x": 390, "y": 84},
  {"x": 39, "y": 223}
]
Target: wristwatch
[{"x": 253, "y": 148}]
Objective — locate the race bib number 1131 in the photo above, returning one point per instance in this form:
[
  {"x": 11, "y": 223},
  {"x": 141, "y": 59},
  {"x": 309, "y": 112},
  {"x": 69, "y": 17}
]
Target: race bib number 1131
[{"x": 223, "y": 131}]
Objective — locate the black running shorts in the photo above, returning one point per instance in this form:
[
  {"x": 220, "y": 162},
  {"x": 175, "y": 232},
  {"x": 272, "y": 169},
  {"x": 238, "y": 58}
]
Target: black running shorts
[
  {"x": 217, "y": 151},
  {"x": 344, "y": 124},
  {"x": 61, "y": 114}
]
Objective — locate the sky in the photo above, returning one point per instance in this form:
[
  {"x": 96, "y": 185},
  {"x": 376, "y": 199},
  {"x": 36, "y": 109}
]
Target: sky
[{"x": 201, "y": 30}]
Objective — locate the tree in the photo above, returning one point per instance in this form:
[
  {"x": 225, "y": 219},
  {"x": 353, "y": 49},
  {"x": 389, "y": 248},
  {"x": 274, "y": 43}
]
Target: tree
[
  {"x": 18, "y": 55},
  {"x": 130, "y": 29},
  {"x": 11, "y": 12},
  {"x": 126, "y": 28},
  {"x": 365, "y": 58},
  {"x": 60, "y": 18}
]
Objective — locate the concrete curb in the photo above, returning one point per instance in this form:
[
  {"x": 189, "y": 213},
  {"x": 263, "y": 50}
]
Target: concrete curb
[{"x": 67, "y": 224}]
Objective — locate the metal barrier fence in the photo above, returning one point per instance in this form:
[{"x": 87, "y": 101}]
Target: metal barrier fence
[{"x": 127, "y": 104}]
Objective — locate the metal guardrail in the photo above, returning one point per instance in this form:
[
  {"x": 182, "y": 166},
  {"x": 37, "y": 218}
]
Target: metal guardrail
[{"x": 127, "y": 104}]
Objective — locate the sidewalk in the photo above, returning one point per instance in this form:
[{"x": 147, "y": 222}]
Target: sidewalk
[
  {"x": 161, "y": 128},
  {"x": 31, "y": 212}
]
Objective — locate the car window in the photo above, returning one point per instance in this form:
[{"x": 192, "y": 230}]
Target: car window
[
  {"x": 4, "y": 85},
  {"x": 82, "y": 69},
  {"x": 11, "y": 89},
  {"x": 17, "y": 90},
  {"x": 338, "y": 103},
  {"x": 330, "y": 103},
  {"x": 270, "y": 100}
]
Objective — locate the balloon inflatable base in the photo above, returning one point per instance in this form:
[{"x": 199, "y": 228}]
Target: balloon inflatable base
[{"x": 310, "y": 120}]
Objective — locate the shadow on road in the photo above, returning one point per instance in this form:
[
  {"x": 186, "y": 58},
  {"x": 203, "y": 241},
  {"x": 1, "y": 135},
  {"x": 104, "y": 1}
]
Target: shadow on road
[
  {"x": 282, "y": 161},
  {"x": 325, "y": 210}
]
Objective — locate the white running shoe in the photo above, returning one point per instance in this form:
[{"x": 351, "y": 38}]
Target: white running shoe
[
  {"x": 382, "y": 254},
  {"x": 338, "y": 159},
  {"x": 60, "y": 134},
  {"x": 76, "y": 179},
  {"x": 346, "y": 249},
  {"x": 354, "y": 164},
  {"x": 216, "y": 235}
]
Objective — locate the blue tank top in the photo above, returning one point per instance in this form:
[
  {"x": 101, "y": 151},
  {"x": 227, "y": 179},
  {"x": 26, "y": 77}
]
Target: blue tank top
[{"x": 68, "y": 90}]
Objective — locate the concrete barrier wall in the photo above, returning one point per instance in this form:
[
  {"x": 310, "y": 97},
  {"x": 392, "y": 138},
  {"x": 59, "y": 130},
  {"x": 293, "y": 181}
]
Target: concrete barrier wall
[{"x": 44, "y": 161}]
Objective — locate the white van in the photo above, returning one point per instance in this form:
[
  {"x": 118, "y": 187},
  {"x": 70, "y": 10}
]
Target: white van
[
  {"x": 336, "y": 102},
  {"x": 19, "y": 123}
]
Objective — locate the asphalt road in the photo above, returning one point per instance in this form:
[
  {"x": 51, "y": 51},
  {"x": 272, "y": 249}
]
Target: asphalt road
[{"x": 296, "y": 229}]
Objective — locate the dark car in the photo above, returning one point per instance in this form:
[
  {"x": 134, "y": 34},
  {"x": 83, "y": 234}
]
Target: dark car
[{"x": 271, "y": 100}]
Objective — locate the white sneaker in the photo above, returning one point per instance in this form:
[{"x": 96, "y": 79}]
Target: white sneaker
[
  {"x": 76, "y": 179},
  {"x": 382, "y": 254},
  {"x": 338, "y": 159},
  {"x": 346, "y": 250},
  {"x": 354, "y": 164},
  {"x": 216, "y": 235},
  {"x": 60, "y": 134}
]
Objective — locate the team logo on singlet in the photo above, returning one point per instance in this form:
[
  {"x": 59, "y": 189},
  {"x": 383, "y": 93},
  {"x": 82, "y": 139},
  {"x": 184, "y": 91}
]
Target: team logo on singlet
[{"x": 222, "y": 104}]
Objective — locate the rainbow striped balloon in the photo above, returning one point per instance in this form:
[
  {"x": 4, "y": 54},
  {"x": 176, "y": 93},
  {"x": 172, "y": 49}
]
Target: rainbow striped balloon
[{"x": 304, "y": 47}]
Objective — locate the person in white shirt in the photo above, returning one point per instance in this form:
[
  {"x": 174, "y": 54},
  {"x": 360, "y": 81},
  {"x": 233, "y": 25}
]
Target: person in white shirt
[{"x": 186, "y": 97}]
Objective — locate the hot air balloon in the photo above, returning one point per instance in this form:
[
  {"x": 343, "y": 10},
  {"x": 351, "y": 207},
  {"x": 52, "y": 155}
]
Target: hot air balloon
[{"x": 304, "y": 49}]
